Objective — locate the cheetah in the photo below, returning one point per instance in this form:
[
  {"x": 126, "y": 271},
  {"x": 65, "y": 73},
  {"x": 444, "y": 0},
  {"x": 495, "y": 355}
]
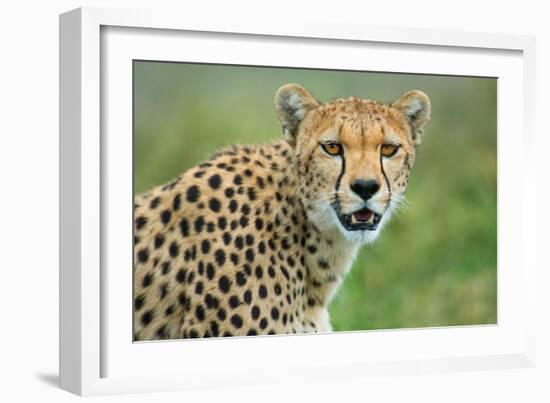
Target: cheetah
[{"x": 257, "y": 239}]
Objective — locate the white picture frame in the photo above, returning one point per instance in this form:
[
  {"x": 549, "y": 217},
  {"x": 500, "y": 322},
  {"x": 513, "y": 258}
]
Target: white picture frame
[{"x": 96, "y": 357}]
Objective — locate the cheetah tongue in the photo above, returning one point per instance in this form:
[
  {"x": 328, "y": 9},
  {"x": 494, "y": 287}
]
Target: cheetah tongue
[{"x": 363, "y": 215}]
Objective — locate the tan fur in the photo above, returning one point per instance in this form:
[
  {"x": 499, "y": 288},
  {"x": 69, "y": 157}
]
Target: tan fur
[{"x": 223, "y": 269}]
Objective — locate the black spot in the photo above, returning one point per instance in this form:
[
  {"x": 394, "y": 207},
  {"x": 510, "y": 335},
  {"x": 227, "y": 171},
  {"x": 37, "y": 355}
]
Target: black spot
[
  {"x": 165, "y": 216},
  {"x": 233, "y": 206},
  {"x": 199, "y": 224},
  {"x": 229, "y": 193},
  {"x": 221, "y": 314},
  {"x": 199, "y": 313},
  {"x": 243, "y": 221},
  {"x": 274, "y": 313},
  {"x": 214, "y": 328},
  {"x": 198, "y": 174},
  {"x": 249, "y": 255},
  {"x": 162, "y": 332},
  {"x": 249, "y": 239},
  {"x": 174, "y": 249},
  {"x": 199, "y": 287},
  {"x": 147, "y": 280},
  {"x": 139, "y": 302},
  {"x": 234, "y": 301},
  {"x": 245, "y": 209},
  {"x": 166, "y": 268},
  {"x": 182, "y": 299},
  {"x": 261, "y": 247},
  {"x": 210, "y": 272},
  {"x": 277, "y": 289},
  {"x": 180, "y": 276},
  {"x": 214, "y": 205},
  {"x": 271, "y": 271},
  {"x": 262, "y": 291},
  {"x": 176, "y": 203},
  {"x": 205, "y": 246},
  {"x": 263, "y": 323},
  {"x": 285, "y": 272},
  {"x": 236, "y": 321},
  {"x": 215, "y": 181},
  {"x": 234, "y": 224},
  {"x": 140, "y": 222},
  {"x": 169, "y": 311},
  {"x": 220, "y": 257},
  {"x": 226, "y": 238},
  {"x": 238, "y": 180},
  {"x": 222, "y": 223},
  {"x": 159, "y": 240},
  {"x": 143, "y": 255},
  {"x": 240, "y": 277},
  {"x": 163, "y": 291},
  {"x": 259, "y": 223},
  {"x": 193, "y": 334},
  {"x": 247, "y": 297},
  {"x": 210, "y": 227},
  {"x": 184, "y": 227},
  {"x": 234, "y": 259},
  {"x": 252, "y": 332},
  {"x": 311, "y": 249},
  {"x": 251, "y": 194},
  {"x": 259, "y": 272},
  {"x": 323, "y": 264},
  {"x": 154, "y": 203},
  {"x": 147, "y": 317},
  {"x": 211, "y": 301},
  {"x": 224, "y": 284},
  {"x": 239, "y": 242},
  {"x": 193, "y": 193},
  {"x": 255, "y": 311}
]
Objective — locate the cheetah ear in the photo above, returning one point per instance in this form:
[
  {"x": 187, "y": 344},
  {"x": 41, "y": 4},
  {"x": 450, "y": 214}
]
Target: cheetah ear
[
  {"x": 292, "y": 103},
  {"x": 417, "y": 108}
]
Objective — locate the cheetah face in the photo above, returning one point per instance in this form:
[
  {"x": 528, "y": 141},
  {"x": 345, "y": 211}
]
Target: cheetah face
[{"x": 353, "y": 156}]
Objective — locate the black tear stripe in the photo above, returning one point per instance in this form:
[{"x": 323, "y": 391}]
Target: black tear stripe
[
  {"x": 337, "y": 187},
  {"x": 385, "y": 176}
]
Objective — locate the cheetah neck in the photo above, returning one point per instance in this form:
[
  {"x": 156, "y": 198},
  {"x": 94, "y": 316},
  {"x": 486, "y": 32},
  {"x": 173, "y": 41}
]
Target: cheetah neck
[{"x": 328, "y": 265}]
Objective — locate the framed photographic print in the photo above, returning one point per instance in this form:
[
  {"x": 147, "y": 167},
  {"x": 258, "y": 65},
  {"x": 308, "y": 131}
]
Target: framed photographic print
[{"x": 234, "y": 203}]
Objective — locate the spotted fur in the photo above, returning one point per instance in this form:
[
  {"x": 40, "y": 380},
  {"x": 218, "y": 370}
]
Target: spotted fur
[{"x": 249, "y": 242}]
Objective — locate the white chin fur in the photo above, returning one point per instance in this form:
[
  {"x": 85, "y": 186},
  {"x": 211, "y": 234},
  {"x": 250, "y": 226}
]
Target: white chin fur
[{"x": 326, "y": 219}]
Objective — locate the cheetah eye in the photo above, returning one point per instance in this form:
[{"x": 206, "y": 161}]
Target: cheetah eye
[
  {"x": 332, "y": 148},
  {"x": 389, "y": 150}
]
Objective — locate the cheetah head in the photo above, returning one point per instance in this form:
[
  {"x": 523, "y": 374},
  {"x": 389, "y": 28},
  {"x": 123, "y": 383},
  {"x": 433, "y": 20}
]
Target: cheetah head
[{"x": 352, "y": 156}]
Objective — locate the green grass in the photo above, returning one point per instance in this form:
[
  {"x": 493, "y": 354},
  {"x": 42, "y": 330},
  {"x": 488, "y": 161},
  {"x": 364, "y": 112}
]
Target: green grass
[{"x": 434, "y": 264}]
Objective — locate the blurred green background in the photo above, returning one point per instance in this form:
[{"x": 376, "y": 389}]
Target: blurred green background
[{"x": 435, "y": 264}]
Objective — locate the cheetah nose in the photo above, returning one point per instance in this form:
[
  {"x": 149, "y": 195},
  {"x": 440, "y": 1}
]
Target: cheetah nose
[{"x": 365, "y": 189}]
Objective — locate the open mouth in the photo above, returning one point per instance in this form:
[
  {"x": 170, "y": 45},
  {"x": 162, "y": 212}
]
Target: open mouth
[{"x": 363, "y": 219}]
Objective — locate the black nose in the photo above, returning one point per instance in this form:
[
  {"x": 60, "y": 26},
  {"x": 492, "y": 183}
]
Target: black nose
[{"x": 365, "y": 189}]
